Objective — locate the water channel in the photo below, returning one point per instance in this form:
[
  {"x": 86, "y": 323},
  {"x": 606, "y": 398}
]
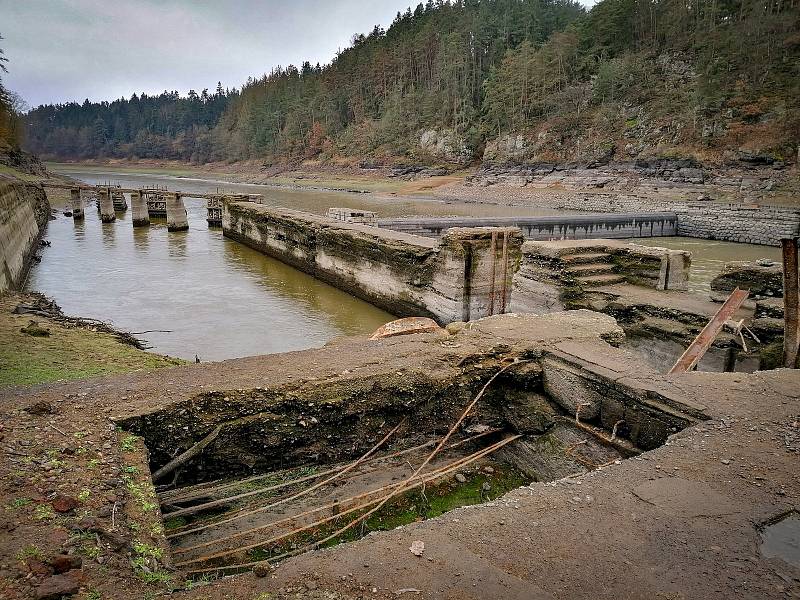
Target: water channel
[{"x": 199, "y": 293}]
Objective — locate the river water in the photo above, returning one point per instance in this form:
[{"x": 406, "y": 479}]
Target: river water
[{"x": 199, "y": 293}]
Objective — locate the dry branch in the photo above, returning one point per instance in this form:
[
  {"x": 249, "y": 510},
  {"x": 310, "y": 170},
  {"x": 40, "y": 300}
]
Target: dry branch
[{"x": 185, "y": 457}]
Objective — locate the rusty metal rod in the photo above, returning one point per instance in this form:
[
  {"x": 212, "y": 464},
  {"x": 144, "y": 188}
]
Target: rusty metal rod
[
  {"x": 404, "y": 486},
  {"x": 791, "y": 304},
  {"x": 195, "y": 509},
  {"x": 319, "y": 509},
  {"x": 261, "y": 509},
  {"x": 493, "y": 251},
  {"x": 706, "y": 337},
  {"x": 458, "y": 422}
]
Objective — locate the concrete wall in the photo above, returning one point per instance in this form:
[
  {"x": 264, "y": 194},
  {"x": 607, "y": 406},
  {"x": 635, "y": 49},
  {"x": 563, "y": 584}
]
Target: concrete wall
[
  {"x": 561, "y": 227},
  {"x": 751, "y": 224},
  {"x": 544, "y": 283},
  {"x": 464, "y": 276},
  {"x": 24, "y": 211}
]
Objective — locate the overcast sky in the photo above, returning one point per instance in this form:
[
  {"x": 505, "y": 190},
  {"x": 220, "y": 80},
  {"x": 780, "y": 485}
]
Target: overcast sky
[{"x": 62, "y": 50}]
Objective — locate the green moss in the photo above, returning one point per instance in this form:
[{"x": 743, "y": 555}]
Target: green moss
[{"x": 771, "y": 356}]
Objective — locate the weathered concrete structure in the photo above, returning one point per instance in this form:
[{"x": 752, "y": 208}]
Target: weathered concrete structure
[
  {"x": 353, "y": 215},
  {"x": 120, "y": 203},
  {"x": 24, "y": 211},
  {"x": 552, "y": 273},
  {"x": 761, "y": 279},
  {"x": 76, "y": 204},
  {"x": 752, "y": 224},
  {"x": 466, "y": 275},
  {"x": 141, "y": 217},
  {"x": 156, "y": 202},
  {"x": 214, "y": 211},
  {"x": 176, "y": 213},
  {"x": 562, "y": 227},
  {"x": 688, "y": 518},
  {"x": 106, "y": 205}
]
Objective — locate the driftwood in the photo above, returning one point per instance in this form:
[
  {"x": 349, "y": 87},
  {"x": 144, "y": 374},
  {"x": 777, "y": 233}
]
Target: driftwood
[
  {"x": 185, "y": 457},
  {"x": 42, "y": 306}
]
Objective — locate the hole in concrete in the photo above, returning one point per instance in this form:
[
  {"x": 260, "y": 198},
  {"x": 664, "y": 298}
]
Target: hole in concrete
[
  {"x": 243, "y": 498},
  {"x": 780, "y": 538}
]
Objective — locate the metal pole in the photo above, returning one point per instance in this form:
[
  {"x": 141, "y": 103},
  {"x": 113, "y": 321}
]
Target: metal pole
[{"x": 791, "y": 309}]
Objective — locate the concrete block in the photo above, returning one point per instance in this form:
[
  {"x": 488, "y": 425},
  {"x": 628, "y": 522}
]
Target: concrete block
[{"x": 106, "y": 204}]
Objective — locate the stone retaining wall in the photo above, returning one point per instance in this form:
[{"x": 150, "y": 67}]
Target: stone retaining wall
[
  {"x": 566, "y": 227},
  {"x": 24, "y": 211},
  {"x": 466, "y": 275},
  {"x": 752, "y": 224}
]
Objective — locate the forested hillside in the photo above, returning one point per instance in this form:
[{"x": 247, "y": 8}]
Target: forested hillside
[
  {"x": 504, "y": 80},
  {"x": 9, "y": 124}
]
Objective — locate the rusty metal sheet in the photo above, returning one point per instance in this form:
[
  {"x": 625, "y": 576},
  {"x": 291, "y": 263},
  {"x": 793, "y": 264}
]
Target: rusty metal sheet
[{"x": 705, "y": 338}]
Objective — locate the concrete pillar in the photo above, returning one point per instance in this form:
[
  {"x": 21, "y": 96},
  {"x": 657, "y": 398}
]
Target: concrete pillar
[
  {"x": 141, "y": 218},
  {"x": 176, "y": 213},
  {"x": 120, "y": 203},
  {"x": 106, "y": 205},
  {"x": 482, "y": 262},
  {"x": 76, "y": 203}
]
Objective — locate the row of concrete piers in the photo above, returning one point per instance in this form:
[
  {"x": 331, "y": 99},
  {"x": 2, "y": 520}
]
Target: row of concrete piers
[{"x": 148, "y": 203}]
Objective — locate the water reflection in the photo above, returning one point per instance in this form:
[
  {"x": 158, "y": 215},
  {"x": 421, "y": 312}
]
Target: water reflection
[{"x": 214, "y": 297}]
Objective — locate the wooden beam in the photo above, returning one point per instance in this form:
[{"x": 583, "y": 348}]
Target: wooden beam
[
  {"x": 705, "y": 338},
  {"x": 791, "y": 304}
]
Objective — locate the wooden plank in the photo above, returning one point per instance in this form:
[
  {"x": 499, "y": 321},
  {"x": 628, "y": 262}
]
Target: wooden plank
[
  {"x": 705, "y": 338},
  {"x": 791, "y": 304}
]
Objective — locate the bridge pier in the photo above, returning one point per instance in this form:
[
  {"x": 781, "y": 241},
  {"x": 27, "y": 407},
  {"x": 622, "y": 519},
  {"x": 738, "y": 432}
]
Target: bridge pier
[
  {"x": 141, "y": 218},
  {"x": 106, "y": 205},
  {"x": 76, "y": 204},
  {"x": 120, "y": 203},
  {"x": 176, "y": 213}
]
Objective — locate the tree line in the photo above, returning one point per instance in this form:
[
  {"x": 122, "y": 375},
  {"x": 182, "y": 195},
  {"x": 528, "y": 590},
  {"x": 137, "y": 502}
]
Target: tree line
[{"x": 479, "y": 68}]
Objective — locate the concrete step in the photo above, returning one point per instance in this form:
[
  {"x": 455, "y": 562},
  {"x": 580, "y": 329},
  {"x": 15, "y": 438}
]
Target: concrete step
[
  {"x": 590, "y": 269},
  {"x": 589, "y": 257},
  {"x": 598, "y": 280}
]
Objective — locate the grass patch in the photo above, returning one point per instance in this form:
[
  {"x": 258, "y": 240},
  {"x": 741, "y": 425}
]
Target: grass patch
[
  {"x": 29, "y": 552},
  {"x": 67, "y": 354}
]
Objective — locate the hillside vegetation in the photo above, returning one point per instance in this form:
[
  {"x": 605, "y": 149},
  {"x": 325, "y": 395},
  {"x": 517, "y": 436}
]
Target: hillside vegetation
[{"x": 502, "y": 80}]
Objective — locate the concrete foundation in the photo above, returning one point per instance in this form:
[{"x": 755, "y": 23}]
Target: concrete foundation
[
  {"x": 353, "y": 215},
  {"x": 176, "y": 213},
  {"x": 76, "y": 204},
  {"x": 466, "y": 275},
  {"x": 141, "y": 218},
  {"x": 106, "y": 205}
]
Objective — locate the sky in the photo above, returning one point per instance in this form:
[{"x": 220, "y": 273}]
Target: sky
[{"x": 65, "y": 50}]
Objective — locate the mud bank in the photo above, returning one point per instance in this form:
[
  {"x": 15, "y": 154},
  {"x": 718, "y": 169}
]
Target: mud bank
[{"x": 24, "y": 212}]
